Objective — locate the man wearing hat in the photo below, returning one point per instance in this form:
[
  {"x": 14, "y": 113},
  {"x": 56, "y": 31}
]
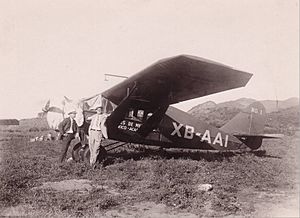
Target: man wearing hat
[
  {"x": 68, "y": 129},
  {"x": 95, "y": 134}
]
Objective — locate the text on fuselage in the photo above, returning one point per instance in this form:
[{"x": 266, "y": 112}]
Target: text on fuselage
[
  {"x": 189, "y": 132},
  {"x": 129, "y": 125}
]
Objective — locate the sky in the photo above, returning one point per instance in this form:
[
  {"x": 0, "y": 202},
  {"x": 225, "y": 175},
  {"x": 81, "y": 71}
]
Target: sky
[{"x": 53, "y": 48}]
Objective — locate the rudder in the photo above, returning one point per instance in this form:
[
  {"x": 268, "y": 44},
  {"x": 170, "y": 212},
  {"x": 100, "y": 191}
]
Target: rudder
[{"x": 248, "y": 125}]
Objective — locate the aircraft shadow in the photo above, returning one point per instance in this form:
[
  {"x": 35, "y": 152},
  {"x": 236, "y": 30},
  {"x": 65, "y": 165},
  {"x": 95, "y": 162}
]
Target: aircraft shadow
[{"x": 180, "y": 154}]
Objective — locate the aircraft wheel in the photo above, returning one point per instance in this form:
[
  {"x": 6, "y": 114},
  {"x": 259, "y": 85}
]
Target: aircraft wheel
[
  {"x": 102, "y": 154},
  {"x": 86, "y": 155},
  {"x": 162, "y": 152},
  {"x": 77, "y": 152}
]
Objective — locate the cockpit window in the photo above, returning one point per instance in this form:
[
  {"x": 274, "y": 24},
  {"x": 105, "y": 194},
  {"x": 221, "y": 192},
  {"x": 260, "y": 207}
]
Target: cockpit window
[
  {"x": 149, "y": 115},
  {"x": 130, "y": 113},
  {"x": 140, "y": 114}
]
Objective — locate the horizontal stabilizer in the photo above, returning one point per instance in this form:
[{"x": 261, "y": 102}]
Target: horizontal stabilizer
[
  {"x": 264, "y": 136},
  {"x": 254, "y": 141}
]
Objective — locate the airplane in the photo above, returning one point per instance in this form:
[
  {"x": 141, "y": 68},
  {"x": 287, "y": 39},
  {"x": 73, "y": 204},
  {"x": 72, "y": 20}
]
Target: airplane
[{"x": 140, "y": 110}]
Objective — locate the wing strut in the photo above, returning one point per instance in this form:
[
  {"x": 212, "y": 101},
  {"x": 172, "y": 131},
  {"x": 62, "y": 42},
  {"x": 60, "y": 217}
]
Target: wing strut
[
  {"x": 118, "y": 114},
  {"x": 153, "y": 121}
]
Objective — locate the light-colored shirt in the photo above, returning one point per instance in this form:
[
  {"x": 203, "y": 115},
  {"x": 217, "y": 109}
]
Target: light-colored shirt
[
  {"x": 71, "y": 126},
  {"x": 96, "y": 121}
]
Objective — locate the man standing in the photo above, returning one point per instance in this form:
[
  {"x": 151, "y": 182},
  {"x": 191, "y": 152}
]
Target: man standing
[
  {"x": 95, "y": 134},
  {"x": 68, "y": 129}
]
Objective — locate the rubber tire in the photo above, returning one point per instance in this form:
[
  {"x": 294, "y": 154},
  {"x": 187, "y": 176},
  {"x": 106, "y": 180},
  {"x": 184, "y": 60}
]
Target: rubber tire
[
  {"x": 102, "y": 154},
  {"x": 86, "y": 155},
  {"x": 77, "y": 149}
]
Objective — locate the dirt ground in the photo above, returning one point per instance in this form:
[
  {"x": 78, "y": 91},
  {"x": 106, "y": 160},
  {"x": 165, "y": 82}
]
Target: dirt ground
[
  {"x": 144, "y": 183},
  {"x": 285, "y": 201}
]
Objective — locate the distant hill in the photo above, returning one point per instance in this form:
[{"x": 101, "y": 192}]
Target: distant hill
[
  {"x": 239, "y": 103},
  {"x": 282, "y": 119},
  {"x": 25, "y": 125},
  {"x": 34, "y": 124},
  {"x": 270, "y": 105},
  {"x": 219, "y": 114},
  {"x": 205, "y": 107},
  {"x": 285, "y": 121}
]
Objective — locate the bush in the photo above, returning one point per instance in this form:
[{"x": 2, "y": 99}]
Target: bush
[
  {"x": 107, "y": 202},
  {"x": 44, "y": 129},
  {"x": 33, "y": 129}
]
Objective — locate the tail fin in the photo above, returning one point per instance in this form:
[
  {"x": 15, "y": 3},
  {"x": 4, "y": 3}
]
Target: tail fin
[
  {"x": 250, "y": 121},
  {"x": 248, "y": 125}
]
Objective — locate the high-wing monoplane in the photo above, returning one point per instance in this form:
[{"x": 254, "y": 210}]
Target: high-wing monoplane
[{"x": 140, "y": 107}]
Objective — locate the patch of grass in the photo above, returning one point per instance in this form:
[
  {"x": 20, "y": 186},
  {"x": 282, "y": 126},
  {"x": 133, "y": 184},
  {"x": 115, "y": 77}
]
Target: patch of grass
[
  {"x": 170, "y": 178},
  {"x": 107, "y": 202},
  {"x": 75, "y": 204},
  {"x": 34, "y": 129}
]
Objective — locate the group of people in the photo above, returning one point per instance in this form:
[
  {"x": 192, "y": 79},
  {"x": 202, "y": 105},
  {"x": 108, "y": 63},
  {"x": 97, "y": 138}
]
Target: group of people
[{"x": 68, "y": 130}]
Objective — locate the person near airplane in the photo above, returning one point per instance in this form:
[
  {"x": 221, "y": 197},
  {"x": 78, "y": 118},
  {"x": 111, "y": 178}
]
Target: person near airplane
[
  {"x": 68, "y": 130},
  {"x": 95, "y": 134}
]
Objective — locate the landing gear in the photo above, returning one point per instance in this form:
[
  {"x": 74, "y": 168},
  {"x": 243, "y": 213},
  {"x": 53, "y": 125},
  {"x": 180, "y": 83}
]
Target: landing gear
[
  {"x": 82, "y": 153},
  {"x": 78, "y": 152},
  {"x": 102, "y": 154},
  {"x": 86, "y": 155}
]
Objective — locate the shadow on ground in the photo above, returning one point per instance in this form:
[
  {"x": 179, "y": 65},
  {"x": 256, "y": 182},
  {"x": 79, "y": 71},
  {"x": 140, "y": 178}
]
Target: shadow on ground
[{"x": 141, "y": 153}]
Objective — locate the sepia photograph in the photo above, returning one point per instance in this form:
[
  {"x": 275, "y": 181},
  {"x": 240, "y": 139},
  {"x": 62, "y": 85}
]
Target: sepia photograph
[{"x": 149, "y": 109}]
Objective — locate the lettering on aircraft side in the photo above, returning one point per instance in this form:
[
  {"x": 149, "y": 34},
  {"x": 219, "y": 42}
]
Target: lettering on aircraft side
[
  {"x": 129, "y": 125},
  {"x": 189, "y": 132}
]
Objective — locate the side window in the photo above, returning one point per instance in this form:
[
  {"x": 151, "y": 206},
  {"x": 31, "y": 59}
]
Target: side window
[
  {"x": 140, "y": 114},
  {"x": 149, "y": 115},
  {"x": 130, "y": 113}
]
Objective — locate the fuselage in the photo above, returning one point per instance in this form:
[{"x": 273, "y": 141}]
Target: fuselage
[{"x": 177, "y": 129}]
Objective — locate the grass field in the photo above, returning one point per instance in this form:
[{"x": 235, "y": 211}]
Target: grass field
[{"x": 132, "y": 178}]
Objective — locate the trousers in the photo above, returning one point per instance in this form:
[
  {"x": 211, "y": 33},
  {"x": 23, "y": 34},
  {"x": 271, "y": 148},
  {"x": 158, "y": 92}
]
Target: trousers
[
  {"x": 66, "y": 140},
  {"x": 95, "y": 138}
]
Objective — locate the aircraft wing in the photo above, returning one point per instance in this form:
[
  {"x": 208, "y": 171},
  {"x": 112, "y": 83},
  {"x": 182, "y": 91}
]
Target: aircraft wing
[{"x": 178, "y": 79}]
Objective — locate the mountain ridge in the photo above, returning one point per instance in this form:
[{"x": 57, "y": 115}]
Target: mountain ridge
[
  {"x": 282, "y": 116},
  {"x": 241, "y": 103}
]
